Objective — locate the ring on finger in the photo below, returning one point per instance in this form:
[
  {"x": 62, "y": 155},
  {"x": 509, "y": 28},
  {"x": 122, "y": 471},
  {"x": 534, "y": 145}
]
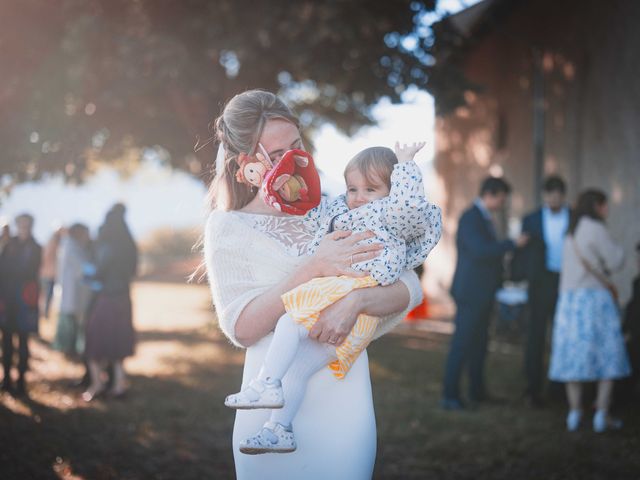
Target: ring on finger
[{"x": 352, "y": 259}]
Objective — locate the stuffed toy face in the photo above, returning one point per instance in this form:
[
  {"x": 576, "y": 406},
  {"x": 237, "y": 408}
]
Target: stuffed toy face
[
  {"x": 293, "y": 187},
  {"x": 253, "y": 169},
  {"x": 254, "y": 173}
]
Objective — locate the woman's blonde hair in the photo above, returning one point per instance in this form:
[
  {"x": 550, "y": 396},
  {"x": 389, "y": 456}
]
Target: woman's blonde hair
[
  {"x": 374, "y": 164},
  {"x": 239, "y": 128}
]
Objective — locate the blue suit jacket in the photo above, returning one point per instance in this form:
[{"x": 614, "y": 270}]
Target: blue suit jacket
[{"x": 479, "y": 267}]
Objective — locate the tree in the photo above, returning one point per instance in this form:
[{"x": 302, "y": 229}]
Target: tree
[{"x": 87, "y": 80}]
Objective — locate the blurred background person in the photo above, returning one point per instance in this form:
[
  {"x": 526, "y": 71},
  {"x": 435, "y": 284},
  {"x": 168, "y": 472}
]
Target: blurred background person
[
  {"x": 587, "y": 342},
  {"x": 626, "y": 392},
  {"x": 109, "y": 332},
  {"x": 541, "y": 261},
  {"x": 19, "y": 288},
  {"x": 477, "y": 277},
  {"x": 48, "y": 269},
  {"x": 75, "y": 292},
  {"x": 5, "y": 236}
]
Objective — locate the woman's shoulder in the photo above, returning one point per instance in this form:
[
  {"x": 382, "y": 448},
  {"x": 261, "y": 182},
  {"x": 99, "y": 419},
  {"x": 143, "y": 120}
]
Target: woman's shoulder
[
  {"x": 220, "y": 220},
  {"x": 590, "y": 227},
  {"x": 221, "y": 228}
]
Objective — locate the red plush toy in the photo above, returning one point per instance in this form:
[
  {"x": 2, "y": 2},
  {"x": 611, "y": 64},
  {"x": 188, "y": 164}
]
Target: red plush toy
[{"x": 293, "y": 184}]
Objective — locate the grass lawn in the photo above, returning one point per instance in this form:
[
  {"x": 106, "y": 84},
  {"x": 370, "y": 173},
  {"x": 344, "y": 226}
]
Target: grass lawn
[{"x": 173, "y": 425}]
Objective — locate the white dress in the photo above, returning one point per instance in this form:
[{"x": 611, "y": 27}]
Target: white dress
[{"x": 335, "y": 426}]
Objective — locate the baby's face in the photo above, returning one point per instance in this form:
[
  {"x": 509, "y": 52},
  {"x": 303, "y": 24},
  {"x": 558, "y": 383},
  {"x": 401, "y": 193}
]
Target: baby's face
[{"x": 361, "y": 191}]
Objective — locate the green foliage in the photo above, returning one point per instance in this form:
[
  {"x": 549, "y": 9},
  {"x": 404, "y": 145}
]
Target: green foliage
[{"x": 87, "y": 80}]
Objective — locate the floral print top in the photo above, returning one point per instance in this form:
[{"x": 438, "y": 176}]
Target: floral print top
[{"x": 404, "y": 222}]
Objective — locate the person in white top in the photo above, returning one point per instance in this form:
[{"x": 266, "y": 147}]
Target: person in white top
[
  {"x": 75, "y": 291},
  {"x": 385, "y": 195},
  {"x": 254, "y": 254}
]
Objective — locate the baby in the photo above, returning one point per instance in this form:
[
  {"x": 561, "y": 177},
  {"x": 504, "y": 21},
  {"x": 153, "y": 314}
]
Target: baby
[{"x": 385, "y": 195}]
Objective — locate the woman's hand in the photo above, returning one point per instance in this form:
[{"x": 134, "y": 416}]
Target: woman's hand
[
  {"x": 339, "y": 250},
  {"x": 337, "y": 320}
]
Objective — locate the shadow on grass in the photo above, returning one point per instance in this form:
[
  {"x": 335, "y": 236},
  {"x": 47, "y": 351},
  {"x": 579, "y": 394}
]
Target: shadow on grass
[
  {"x": 173, "y": 424},
  {"x": 162, "y": 430},
  {"x": 416, "y": 439},
  {"x": 169, "y": 426}
]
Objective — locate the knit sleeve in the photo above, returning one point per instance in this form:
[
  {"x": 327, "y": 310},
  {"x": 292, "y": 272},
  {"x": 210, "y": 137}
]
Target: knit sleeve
[
  {"x": 230, "y": 273},
  {"x": 411, "y": 281}
]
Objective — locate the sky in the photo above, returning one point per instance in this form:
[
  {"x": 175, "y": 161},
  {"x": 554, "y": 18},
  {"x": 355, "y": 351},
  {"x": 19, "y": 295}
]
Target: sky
[{"x": 157, "y": 197}]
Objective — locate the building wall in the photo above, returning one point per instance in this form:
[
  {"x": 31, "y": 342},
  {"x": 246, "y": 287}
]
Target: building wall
[{"x": 588, "y": 54}]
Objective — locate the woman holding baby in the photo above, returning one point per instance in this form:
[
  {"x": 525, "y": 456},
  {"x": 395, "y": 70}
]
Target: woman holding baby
[{"x": 256, "y": 253}]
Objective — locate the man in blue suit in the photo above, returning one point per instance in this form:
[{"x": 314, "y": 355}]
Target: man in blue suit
[
  {"x": 477, "y": 277},
  {"x": 541, "y": 261}
]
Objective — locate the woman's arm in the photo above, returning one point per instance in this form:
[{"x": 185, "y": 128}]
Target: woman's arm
[
  {"x": 260, "y": 315},
  {"x": 611, "y": 254},
  {"x": 333, "y": 257}
]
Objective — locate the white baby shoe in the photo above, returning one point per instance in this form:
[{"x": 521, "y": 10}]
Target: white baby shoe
[
  {"x": 259, "y": 394},
  {"x": 273, "y": 438}
]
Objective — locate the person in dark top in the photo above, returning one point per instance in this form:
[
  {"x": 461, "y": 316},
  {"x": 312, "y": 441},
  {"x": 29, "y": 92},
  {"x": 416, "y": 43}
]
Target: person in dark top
[
  {"x": 19, "y": 293},
  {"x": 477, "y": 277},
  {"x": 541, "y": 261},
  {"x": 626, "y": 390},
  {"x": 110, "y": 336}
]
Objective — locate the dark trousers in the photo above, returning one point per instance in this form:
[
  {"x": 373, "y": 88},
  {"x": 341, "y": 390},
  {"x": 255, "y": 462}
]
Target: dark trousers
[
  {"x": 543, "y": 295},
  {"x": 8, "y": 349},
  {"x": 468, "y": 348}
]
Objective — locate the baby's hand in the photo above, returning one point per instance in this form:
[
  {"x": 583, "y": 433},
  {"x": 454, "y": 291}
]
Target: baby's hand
[{"x": 405, "y": 153}]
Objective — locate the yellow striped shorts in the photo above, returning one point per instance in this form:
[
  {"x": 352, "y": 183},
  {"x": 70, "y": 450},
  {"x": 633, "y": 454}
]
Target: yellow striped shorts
[{"x": 304, "y": 304}]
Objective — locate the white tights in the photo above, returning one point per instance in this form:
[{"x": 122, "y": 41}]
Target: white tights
[{"x": 293, "y": 358}]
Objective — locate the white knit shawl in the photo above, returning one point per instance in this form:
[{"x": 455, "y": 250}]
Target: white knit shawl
[{"x": 242, "y": 263}]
